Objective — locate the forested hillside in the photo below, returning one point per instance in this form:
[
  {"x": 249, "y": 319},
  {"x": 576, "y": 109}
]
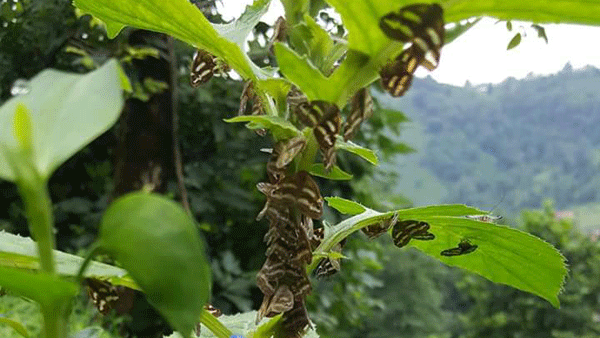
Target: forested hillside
[{"x": 515, "y": 143}]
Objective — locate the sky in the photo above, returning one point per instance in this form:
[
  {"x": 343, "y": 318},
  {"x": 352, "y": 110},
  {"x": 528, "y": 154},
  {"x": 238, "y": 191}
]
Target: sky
[{"x": 480, "y": 56}]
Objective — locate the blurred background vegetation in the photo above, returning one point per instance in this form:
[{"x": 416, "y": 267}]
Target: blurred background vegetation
[{"x": 506, "y": 147}]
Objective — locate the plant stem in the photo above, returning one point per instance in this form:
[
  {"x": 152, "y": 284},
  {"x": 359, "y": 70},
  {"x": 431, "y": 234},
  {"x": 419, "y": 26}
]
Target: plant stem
[
  {"x": 38, "y": 208},
  {"x": 214, "y": 325},
  {"x": 33, "y": 189},
  {"x": 55, "y": 322}
]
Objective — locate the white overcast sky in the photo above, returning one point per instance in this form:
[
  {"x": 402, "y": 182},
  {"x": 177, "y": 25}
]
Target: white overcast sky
[{"x": 480, "y": 55}]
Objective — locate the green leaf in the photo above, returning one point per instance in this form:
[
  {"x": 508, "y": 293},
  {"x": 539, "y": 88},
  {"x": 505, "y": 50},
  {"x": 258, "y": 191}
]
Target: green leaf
[
  {"x": 354, "y": 148},
  {"x": 15, "y": 325},
  {"x": 361, "y": 19},
  {"x": 157, "y": 243},
  {"x": 345, "y": 206},
  {"x": 91, "y": 104},
  {"x": 317, "y": 169},
  {"x": 303, "y": 74},
  {"x": 280, "y": 128},
  {"x": 50, "y": 291},
  {"x": 238, "y": 30},
  {"x": 549, "y": 11},
  {"x": 312, "y": 40},
  {"x": 180, "y": 19},
  {"x": 514, "y": 42},
  {"x": 504, "y": 255},
  {"x": 21, "y": 253}
]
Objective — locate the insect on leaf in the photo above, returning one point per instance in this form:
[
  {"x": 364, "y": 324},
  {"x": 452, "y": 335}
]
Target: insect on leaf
[
  {"x": 203, "y": 68},
  {"x": 423, "y": 26},
  {"x": 324, "y": 117},
  {"x": 361, "y": 109}
]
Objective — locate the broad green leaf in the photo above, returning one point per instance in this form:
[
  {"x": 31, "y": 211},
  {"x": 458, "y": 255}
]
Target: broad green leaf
[
  {"x": 514, "y": 42},
  {"x": 238, "y": 30},
  {"x": 157, "y": 243},
  {"x": 15, "y": 325},
  {"x": 361, "y": 19},
  {"x": 354, "y": 148},
  {"x": 303, "y": 74},
  {"x": 504, "y": 255},
  {"x": 295, "y": 10},
  {"x": 549, "y": 11},
  {"x": 280, "y": 128},
  {"x": 317, "y": 169},
  {"x": 180, "y": 19},
  {"x": 21, "y": 253},
  {"x": 91, "y": 104},
  {"x": 51, "y": 291},
  {"x": 345, "y": 206},
  {"x": 312, "y": 40}
]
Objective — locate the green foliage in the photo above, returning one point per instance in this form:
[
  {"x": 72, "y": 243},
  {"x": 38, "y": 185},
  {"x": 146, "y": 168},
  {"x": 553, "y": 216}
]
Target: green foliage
[
  {"x": 21, "y": 252},
  {"x": 139, "y": 221},
  {"x": 54, "y": 97},
  {"x": 504, "y": 255},
  {"x": 345, "y": 206},
  {"x": 498, "y": 311},
  {"x": 50, "y": 291},
  {"x": 308, "y": 66},
  {"x": 514, "y": 42},
  {"x": 344, "y": 304}
]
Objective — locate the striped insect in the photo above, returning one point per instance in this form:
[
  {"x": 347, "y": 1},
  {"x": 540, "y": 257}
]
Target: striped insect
[
  {"x": 282, "y": 155},
  {"x": 107, "y": 297},
  {"x": 327, "y": 266},
  {"x": 324, "y": 117},
  {"x": 464, "y": 247},
  {"x": 204, "y": 66},
  {"x": 423, "y": 26},
  {"x": 299, "y": 190},
  {"x": 281, "y": 300},
  {"x": 419, "y": 23},
  {"x": 361, "y": 109},
  {"x": 375, "y": 230},
  {"x": 406, "y": 230},
  {"x": 256, "y": 106}
]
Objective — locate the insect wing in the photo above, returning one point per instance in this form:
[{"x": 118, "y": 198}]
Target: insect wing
[
  {"x": 204, "y": 66},
  {"x": 103, "y": 294},
  {"x": 288, "y": 150},
  {"x": 362, "y": 109},
  {"x": 326, "y": 131}
]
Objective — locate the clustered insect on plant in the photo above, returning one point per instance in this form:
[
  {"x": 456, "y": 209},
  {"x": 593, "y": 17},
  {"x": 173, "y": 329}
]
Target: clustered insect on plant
[{"x": 301, "y": 104}]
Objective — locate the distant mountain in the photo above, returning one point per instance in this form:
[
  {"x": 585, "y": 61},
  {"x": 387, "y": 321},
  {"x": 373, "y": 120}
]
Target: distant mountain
[{"x": 515, "y": 143}]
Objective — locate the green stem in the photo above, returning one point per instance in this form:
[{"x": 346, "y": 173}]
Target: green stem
[
  {"x": 38, "y": 208},
  {"x": 33, "y": 189},
  {"x": 88, "y": 259},
  {"x": 214, "y": 325},
  {"x": 55, "y": 322}
]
